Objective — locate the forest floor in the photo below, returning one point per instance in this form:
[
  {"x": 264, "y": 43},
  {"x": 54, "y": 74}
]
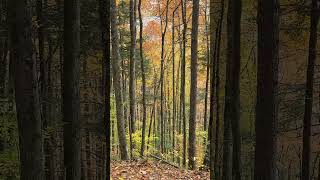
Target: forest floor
[{"x": 153, "y": 170}]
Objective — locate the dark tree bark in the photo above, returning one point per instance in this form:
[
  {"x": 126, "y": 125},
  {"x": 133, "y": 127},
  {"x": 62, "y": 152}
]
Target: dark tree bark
[
  {"x": 193, "y": 85},
  {"x": 217, "y": 79},
  {"x": 132, "y": 66},
  {"x": 231, "y": 148},
  {"x": 144, "y": 103},
  {"x": 116, "y": 59},
  {"x": 319, "y": 170},
  {"x": 306, "y": 151},
  {"x": 4, "y": 63},
  {"x": 213, "y": 51},
  {"x": 71, "y": 90},
  {"x": 49, "y": 173},
  {"x": 104, "y": 11},
  {"x": 232, "y": 138},
  {"x": 215, "y": 84},
  {"x": 267, "y": 83},
  {"x": 26, "y": 90},
  {"x": 41, "y": 59}
]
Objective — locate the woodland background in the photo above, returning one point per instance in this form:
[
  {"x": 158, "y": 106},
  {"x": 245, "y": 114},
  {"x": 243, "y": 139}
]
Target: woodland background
[{"x": 242, "y": 75}]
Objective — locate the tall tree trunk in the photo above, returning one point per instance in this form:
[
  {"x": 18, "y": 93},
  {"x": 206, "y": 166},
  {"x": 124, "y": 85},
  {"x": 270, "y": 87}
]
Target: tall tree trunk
[
  {"x": 173, "y": 84},
  {"x": 116, "y": 59},
  {"x": 132, "y": 65},
  {"x": 215, "y": 81},
  {"x": 104, "y": 11},
  {"x": 4, "y": 49},
  {"x": 183, "y": 81},
  {"x": 205, "y": 117},
  {"x": 319, "y": 170},
  {"x": 206, "y": 160},
  {"x": 267, "y": 82},
  {"x": 49, "y": 173},
  {"x": 307, "y": 121},
  {"x": 41, "y": 59},
  {"x": 71, "y": 90},
  {"x": 144, "y": 103},
  {"x": 213, "y": 51},
  {"x": 59, "y": 135},
  {"x": 193, "y": 85},
  {"x": 26, "y": 90},
  {"x": 163, "y": 35},
  {"x": 174, "y": 104},
  {"x": 232, "y": 144},
  {"x": 232, "y": 161}
]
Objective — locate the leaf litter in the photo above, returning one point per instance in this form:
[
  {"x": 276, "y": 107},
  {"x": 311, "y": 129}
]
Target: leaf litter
[{"x": 153, "y": 170}]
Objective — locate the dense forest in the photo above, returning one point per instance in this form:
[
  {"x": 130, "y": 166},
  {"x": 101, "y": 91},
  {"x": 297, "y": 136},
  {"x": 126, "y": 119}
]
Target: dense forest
[{"x": 159, "y": 89}]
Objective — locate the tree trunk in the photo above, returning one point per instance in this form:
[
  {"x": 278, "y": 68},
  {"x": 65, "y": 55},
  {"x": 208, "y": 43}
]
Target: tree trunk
[
  {"x": 205, "y": 117},
  {"x": 307, "y": 121},
  {"x": 215, "y": 81},
  {"x": 175, "y": 85},
  {"x": 163, "y": 35},
  {"x": 71, "y": 90},
  {"x": 144, "y": 105},
  {"x": 267, "y": 82},
  {"x": 42, "y": 61},
  {"x": 104, "y": 11},
  {"x": 44, "y": 85},
  {"x": 193, "y": 85},
  {"x": 232, "y": 139},
  {"x": 183, "y": 81},
  {"x": 132, "y": 65},
  {"x": 319, "y": 170},
  {"x": 26, "y": 90},
  {"x": 116, "y": 59},
  {"x": 4, "y": 64}
]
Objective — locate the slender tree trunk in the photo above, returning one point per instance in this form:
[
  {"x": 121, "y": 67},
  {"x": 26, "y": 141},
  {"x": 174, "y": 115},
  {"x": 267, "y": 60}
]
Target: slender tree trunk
[
  {"x": 309, "y": 91},
  {"x": 232, "y": 138},
  {"x": 26, "y": 90},
  {"x": 206, "y": 145},
  {"x": 205, "y": 117},
  {"x": 163, "y": 35},
  {"x": 319, "y": 170},
  {"x": 174, "y": 90},
  {"x": 49, "y": 173},
  {"x": 144, "y": 103},
  {"x": 267, "y": 82},
  {"x": 104, "y": 11},
  {"x": 71, "y": 90},
  {"x": 183, "y": 81},
  {"x": 59, "y": 135},
  {"x": 124, "y": 94},
  {"x": 217, "y": 79},
  {"x": 193, "y": 85},
  {"x": 215, "y": 84},
  {"x": 42, "y": 61},
  {"x": 132, "y": 65},
  {"x": 153, "y": 111},
  {"x": 116, "y": 59},
  {"x": 4, "y": 65}
]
